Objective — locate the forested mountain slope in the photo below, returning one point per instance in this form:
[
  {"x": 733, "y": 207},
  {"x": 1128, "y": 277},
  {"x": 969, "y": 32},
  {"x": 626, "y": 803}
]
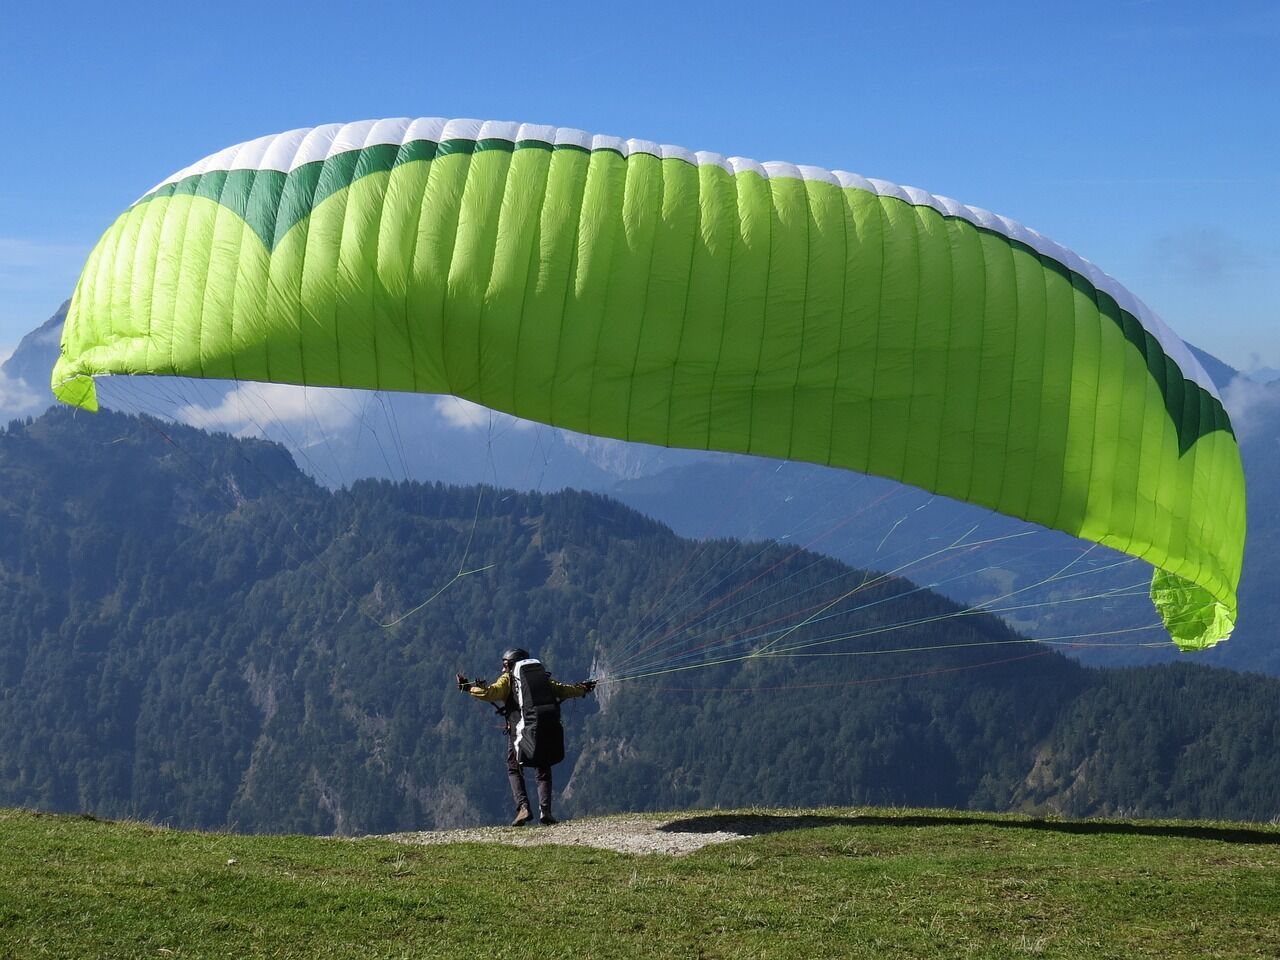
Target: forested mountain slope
[{"x": 191, "y": 630}]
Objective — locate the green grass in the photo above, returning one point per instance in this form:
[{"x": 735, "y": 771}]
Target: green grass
[{"x": 831, "y": 883}]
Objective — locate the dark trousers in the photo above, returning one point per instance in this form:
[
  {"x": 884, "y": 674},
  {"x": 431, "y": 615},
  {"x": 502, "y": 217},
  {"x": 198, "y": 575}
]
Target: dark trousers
[{"x": 516, "y": 776}]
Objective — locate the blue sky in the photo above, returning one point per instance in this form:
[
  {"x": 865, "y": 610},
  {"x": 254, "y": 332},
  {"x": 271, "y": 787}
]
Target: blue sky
[{"x": 1143, "y": 135}]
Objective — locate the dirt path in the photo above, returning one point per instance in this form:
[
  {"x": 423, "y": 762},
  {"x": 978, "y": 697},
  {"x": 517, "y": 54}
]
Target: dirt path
[{"x": 625, "y": 834}]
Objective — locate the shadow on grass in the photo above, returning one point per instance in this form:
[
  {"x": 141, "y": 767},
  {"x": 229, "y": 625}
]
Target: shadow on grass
[{"x": 754, "y": 824}]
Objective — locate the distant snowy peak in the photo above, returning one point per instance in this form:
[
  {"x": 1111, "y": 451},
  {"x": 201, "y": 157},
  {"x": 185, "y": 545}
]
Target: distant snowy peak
[
  {"x": 1221, "y": 373},
  {"x": 35, "y": 353}
]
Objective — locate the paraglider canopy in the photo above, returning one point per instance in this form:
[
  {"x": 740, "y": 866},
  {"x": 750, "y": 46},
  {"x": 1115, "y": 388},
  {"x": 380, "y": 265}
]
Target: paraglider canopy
[{"x": 641, "y": 291}]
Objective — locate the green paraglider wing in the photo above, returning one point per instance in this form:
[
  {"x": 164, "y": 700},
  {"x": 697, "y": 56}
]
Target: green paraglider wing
[{"x": 639, "y": 291}]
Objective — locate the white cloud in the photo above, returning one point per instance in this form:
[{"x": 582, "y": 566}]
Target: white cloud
[
  {"x": 1250, "y": 404},
  {"x": 17, "y": 399},
  {"x": 465, "y": 415},
  {"x": 257, "y": 409},
  {"x": 1259, "y": 370}
]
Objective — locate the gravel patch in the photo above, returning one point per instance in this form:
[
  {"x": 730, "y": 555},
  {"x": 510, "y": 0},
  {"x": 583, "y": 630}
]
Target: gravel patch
[{"x": 623, "y": 834}]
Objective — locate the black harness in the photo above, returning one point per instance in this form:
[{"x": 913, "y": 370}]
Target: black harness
[{"x": 532, "y": 715}]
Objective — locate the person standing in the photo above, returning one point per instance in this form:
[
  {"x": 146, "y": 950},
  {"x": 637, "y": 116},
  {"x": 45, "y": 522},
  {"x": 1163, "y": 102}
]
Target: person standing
[{"x": 529, "y": 699}]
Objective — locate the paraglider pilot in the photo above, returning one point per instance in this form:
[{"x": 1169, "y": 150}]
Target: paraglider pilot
[{"x": 529, "y": 699}]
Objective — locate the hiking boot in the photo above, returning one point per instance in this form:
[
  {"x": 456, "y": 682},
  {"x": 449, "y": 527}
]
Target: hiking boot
[
  {"x": 547, "y": 819},
  {"x": 523, "y": 816}
]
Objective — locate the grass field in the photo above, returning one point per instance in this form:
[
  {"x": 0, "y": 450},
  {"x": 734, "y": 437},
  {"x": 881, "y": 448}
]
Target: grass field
[{"x": 833, "y": 883}]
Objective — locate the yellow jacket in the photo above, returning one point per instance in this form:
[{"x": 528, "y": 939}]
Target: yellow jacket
[{"x": 500, "y": 690}]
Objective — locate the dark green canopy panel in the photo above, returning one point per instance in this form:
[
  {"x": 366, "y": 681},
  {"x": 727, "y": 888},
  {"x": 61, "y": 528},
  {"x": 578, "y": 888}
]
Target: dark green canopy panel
[{"x": 644, "y": 292}]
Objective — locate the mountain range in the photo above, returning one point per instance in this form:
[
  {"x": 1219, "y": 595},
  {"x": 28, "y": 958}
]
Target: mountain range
[{"x": 194, "y": 631}]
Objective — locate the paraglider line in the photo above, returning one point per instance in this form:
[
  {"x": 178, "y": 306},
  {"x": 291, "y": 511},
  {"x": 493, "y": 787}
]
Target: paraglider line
[
  {"x": 456, "y": 577},
  {"x": 841, "y": 683}
]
